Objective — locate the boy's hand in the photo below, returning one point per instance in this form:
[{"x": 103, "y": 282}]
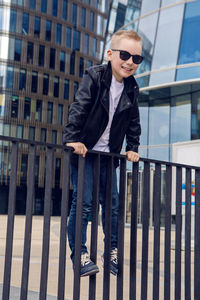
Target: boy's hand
[
  {"x": 79, "y": 148},
  {"x": 132, "y": 156}
]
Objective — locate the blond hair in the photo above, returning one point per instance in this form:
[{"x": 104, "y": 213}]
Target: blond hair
[{"x": 129, "y": 34}]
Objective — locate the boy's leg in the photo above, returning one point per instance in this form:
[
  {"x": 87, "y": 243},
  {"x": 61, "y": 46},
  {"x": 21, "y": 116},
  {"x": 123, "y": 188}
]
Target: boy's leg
[
  {"x": 87, "y": 203},
  {"x": 114, "y": 221},
  {"x": 87, "y": 267}
]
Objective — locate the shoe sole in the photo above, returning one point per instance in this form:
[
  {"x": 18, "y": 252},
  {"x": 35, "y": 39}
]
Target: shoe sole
[
  {"x": 89, "y": 273},
  {"x": 111, "y": 270}
]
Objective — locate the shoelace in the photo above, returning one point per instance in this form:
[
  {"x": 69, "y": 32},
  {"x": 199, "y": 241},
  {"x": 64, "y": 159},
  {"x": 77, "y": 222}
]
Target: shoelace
[
  {"x": 85, "y": 259},
  {"x": 113, "y": 255}
]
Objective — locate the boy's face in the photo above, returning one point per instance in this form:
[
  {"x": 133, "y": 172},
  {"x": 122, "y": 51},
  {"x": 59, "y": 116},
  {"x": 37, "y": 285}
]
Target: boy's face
[{"x": 124, "y": 68}]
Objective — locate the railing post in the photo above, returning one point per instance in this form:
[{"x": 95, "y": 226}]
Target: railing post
[
  {"x": 28, "y": 224},
  {"x": 63, "y": 225},
  {"x": 94, "y": 228},
  {"x": 46, "y": 226},
  {"x": 10, "y": 222},
  {"x": 145, "y": 230},
  {"x": 188, "y": 235},
  {"x": 133, "y": 233},
  {"x": 156, "y": 223},
  {"x": 177, "y": 270},
  {"x": 121, "y": 216},
  {"x": 78, "y": 238},
  {"x": 197, "y": 237}
]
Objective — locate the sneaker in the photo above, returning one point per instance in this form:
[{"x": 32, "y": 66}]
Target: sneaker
[
  {"x": 113, "y": 261},
  {"x": 87, "y": 266}
]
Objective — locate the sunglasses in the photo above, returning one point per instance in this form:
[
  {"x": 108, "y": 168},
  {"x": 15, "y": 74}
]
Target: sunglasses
[{"x": 125, "y": 55}]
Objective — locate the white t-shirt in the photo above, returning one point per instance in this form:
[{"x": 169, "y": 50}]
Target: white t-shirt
[{"x": 116, "y": 89}]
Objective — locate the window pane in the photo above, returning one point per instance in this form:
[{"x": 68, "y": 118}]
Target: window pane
[
  {"x": 30, "y": 53},
  {"x": 62, "y": 61},
  {"x": 49, "y": 112},
  {"x": 25, "y": 23},
  {"x": 38, "y": 115},
  {"x": 195, "y": 115},
  {"x": 68, "y": 37},
  {"x": 54, "y": 137},
  {"x": 20, "y": 129},
  {"x": 32, "y": 4},
  {"x": 75, "y": 87},
  {"x": 9, "y": 77},
  {"x": 13, "y": 19},
  {"x": 91, "y": 20},
  {"x": 81, "y": 67},
  {"x": 22, "y": 79},
  {"x": 27, "y": 108},
  {"x": 52, "y": 58},
  {"x": 34, "y": 82},
  {"x": 60, "y": 114},
  {"x": 48, "y": 31},
  {"x": 43, "y": 135},
  {"x": 180, "y": 119},
  {"x": 31, "y": 133},
  {"x": 14, "y": 107},
  {"x": 45, "y": 84},
  {"x": 41, "y": 55},
  {"x": 37, "y": 27},
  {"x": 83, "y": 17},
  {"x": 56, "y": 86},
  {"x": 74, "y": 14},
  {"x": 72, "y": 63},
  {"x": 58, "y": 33},
  {"x": 54, "y": 8},
  {"x": 65, "y": 8},
  {"x": 76, "y": 40},
  {"x": 86, "y": 43},
  {"x": 94, "y": 47},
  {"x": 44, "y": 6},
  {"x": 66, "y": 89},
  {"x": 18, "y": 46}
]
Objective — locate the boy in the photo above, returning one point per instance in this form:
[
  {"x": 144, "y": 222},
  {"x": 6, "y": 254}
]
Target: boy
[{"x": 105, "y": 110}]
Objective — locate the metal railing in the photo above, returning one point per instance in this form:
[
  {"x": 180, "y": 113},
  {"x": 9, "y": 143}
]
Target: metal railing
[{"x": 172, "y": 170}]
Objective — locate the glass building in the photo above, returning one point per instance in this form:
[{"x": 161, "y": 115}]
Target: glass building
[
  {"x": 44, "y": 48},
  {"x": 169, "y": 77}
]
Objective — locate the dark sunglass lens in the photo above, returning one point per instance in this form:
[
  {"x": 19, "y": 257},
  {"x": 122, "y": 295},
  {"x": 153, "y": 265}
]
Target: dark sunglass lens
[
  {"x": 137, "y": 59},
  {"x": 124, "y": 55}
]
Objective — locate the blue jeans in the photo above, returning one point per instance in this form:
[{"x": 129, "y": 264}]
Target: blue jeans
[{"x": 87, "y": 203}]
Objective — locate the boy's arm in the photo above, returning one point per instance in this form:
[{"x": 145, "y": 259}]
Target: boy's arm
[
  {"x": 133, "y": 136},
  {"x": 80, "y": 109}
]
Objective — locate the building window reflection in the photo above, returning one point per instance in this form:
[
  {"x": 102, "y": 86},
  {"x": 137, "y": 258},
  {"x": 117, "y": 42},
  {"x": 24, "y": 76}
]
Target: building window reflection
[
  {"x": 27, "y": 108},
  {"x": 44, "y": 6},
  {"x": 32, "y": 4},
  {"x": 38, "y": 115},
  {"x": 65, "y": 9},
  {"x": 17, "y": 53},
  {"x": 37, "y": 27},
  {"x": 68, "y": 37},
  {"x": 66, "y": 89},
  {"x": 86, "y": 43},
  {"x": 54, "y": 8},
  {"x": 25, "y": 23},
  {"x": 83, "y": 16},
  {"x": 81, "y": 67},
  {"x": 13, "y": 20},
  {"x": 56, "y": 86},
  {"x": 49, "y": 112},
  {"x": 22, "y": 79},
  {"x": 30, "y": 53},
  {"x": 45, "y": 84},
  {"x": 34, "y": 84},
  {"x": 62, "y": 61},
  {"x": 54, "y": 137},
  {"x": 60, "y": 114},
  {"x": 52, "y": 58},
  {"x": 58, "y": 33},
  {"x": 48, "y": 31},
  {"x": 76, "y": 39},
  {"x": 74, "y": 14},
  {"x": 31, "y": 133},
  {"x": 14, "y": 106},
  {"x": 91, "y": 20},
  {"x": 41, "y": 55}
]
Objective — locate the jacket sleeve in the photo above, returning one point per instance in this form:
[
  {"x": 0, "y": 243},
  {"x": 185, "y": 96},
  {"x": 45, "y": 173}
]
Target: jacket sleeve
[
  {"x": 134, "y": 130},
  {"x": 80, "y": 108}
]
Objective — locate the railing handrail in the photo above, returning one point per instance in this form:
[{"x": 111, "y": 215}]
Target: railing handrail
[{"x": 120, "y": 156}]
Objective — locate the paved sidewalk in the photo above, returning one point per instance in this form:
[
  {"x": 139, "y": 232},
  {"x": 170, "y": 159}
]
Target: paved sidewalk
[{"x": 35, "y": 262}]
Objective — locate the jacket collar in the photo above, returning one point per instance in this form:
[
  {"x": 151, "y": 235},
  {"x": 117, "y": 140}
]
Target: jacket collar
[{"x": 130, "y": 82}]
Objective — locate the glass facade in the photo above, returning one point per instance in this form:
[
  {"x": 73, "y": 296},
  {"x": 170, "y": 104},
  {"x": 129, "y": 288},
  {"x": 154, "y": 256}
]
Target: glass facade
[{"x": 45, "y": 47}]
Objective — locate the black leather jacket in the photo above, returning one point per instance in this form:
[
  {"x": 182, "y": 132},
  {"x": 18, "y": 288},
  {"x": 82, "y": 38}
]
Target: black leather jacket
[{"x": 88, "y": 114}]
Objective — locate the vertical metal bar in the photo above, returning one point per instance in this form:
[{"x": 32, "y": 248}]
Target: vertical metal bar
[
  {"x": 10, "y": 222},
  {"x": 46, "y": 225},
  {"x": 63, "y": 225},
  {"x": 197, "y": 237},
  {"x": 94, "y": 228},
  {"x": 177, "y": 270},
  {"x": 121, "y": 216},
  {"x": 156, "y": 222},
  {"x": 145, "y": 230},
  {"x": 167, "y": 232},
  {"x": 28, "y": 224},
  {"x": 188, "y": 235},
  {"x": 133, "y": 234},
  {"x": 107, "y": 247},
  {"x": 78, "y": 238}
]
